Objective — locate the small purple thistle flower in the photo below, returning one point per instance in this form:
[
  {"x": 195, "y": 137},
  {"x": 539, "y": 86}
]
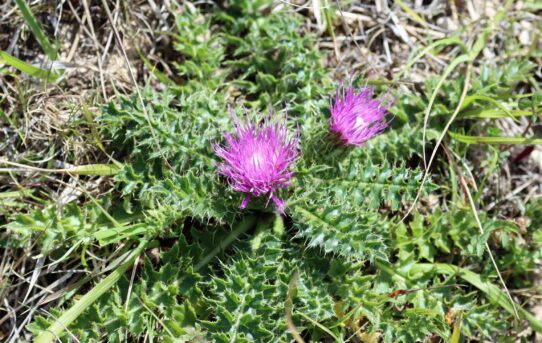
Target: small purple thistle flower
[
  {"x": 259, "y": 159},
  {"x": 355, "y": 116}
]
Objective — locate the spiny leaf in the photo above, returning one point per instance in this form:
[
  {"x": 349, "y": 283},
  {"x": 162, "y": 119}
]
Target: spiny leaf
[
  {"x": 335, "y": 231},
  {"x": 356, "y": 184},
  {"x": 491, "y": 290},
  {"x": 248, "y": 301}
]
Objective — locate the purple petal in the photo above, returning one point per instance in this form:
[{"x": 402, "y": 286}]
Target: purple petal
[
  {"x": 356, "y": 116},
  {"x": 260, "y": 158}
]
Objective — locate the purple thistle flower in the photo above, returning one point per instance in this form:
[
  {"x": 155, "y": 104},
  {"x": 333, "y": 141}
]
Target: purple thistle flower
[
  {"x": 355, "y": 116},
  {"x": 259, "y": 159}
]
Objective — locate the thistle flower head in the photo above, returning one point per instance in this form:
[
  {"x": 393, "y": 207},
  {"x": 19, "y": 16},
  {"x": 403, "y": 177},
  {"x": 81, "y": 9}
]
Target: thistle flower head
[
  {"x": 259, "y": 159},
  {"x": 356, "y": 116}
]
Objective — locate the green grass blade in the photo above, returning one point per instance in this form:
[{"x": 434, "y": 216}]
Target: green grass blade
[
  {"x": 8, "y": 119},
  {"x": 411, "y": 13},
  {"x": 159, "y": 75},
  {"x": 482, "y": 40},
  {"x": 26, "y": 68},
  {"x": 456, "y": 334},
  {"x": 59, "y": 325},
  {"x": 109, "y": 236},
  {"x": 493, "y": 114},
  {"x": 320, "y": 326},
  {"x": 37, "y": 31},
  {"x": 88, "y": 169},
  {"x": 449, "y": 69},
  {"x": 95, "y": 170},
  {"x": 15, "y": 194},
  {"x": 493, "y": 140},
  {"x": 246, "y": 224},
  {"x": 470, "y": 99},
  {"x": 492, "y": 291},
  {"x": 440, "y": 42}
]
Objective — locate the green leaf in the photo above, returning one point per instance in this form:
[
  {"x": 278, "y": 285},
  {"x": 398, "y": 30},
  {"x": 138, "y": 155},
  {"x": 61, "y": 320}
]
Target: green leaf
[
  {"x": 491, "y": 113},
  {"x": 29, "y": 69},
  {"x": 159, "y": 75},
  {"x": 493, "y": 140},
  {"x": 357, "y": 184},
  {"x": 411, "y": 13},
  {"x": 36, "y": 30},
  {"x": 95, "y": 169},
  {"x": 60, "y": 324},
  {"x": 248, "y": 301},
  {"x": 113, "y": 235},
  {"x": 353, "y": 235},
  {"x": 492, "y": 291},
  {"x": 427, "y": 49}
]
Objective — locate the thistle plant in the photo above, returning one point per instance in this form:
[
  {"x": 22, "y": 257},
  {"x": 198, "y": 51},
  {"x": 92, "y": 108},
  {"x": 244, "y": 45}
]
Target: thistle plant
[
  {"x": 260, "y": 158},
  {"x": 356, "y": 116},
  {"x": 345, "y": 263}
]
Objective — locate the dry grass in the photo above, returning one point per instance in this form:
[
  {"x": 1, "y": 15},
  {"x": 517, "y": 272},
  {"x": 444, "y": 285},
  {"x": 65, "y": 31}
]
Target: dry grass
[{"x": 51, "y": 126}]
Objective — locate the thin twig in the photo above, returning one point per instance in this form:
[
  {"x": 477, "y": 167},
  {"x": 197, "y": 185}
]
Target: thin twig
[{"x": 93, "y": 36}]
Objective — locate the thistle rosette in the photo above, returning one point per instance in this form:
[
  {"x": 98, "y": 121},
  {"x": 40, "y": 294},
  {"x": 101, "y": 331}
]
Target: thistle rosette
[
  {"x": 356, "y": 116},
  {"x": 260, "y": 158}
]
